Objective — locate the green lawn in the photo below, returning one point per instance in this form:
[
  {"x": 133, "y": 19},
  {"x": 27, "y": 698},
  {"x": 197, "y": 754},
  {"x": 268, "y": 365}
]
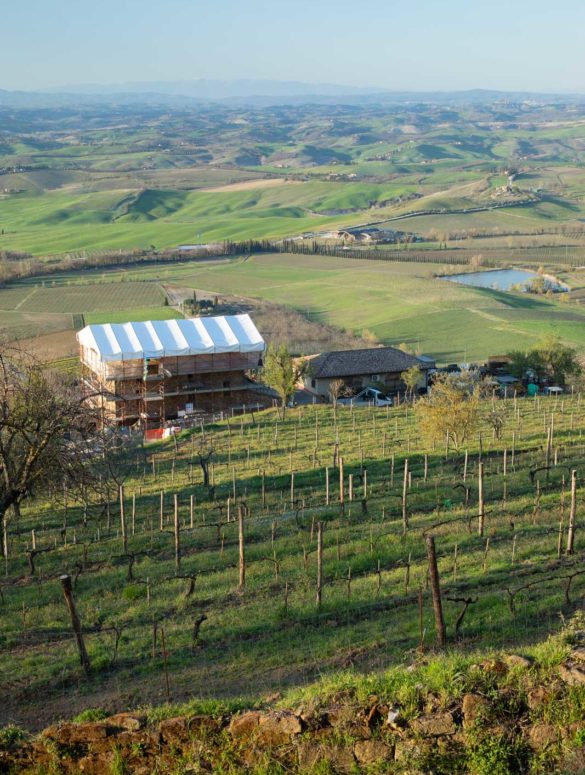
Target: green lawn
[{"x": 135, "y": 315}]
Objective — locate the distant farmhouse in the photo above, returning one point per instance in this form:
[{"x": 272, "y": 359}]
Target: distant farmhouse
[
  {"x": 379, "y": 367},
  {"x": 149, "y": 372},
  {"x": 372, "y": 236}
]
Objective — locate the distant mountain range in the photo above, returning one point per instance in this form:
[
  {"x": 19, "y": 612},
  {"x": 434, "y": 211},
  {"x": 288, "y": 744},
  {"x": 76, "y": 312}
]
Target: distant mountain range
[{"x": 256, "y": 93}]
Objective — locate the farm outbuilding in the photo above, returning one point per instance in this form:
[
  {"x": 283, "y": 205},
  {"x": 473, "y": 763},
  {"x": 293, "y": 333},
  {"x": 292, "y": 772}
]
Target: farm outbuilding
[
  {"x": 149, "y": 372},
  {"x": 380, "y": 367}
]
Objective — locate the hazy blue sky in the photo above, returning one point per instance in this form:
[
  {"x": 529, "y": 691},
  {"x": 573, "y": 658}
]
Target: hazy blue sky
[{"x": 393, "y": 44}]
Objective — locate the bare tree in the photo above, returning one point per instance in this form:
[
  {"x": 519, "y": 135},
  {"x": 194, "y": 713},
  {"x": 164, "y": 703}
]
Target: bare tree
[
  {"x": 337, "y": 389},
  {"x": 44, "y": 432}
]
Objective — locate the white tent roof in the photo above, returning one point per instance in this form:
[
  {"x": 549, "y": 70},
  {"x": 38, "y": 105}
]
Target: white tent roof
[{"x": 168, "y": 338}]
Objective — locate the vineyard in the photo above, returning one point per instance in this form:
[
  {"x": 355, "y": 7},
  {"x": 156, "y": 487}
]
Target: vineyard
[{"x": 258, "y": 553}]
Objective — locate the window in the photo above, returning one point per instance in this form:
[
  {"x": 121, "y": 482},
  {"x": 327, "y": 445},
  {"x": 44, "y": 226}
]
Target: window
[
  {"x": 375, "y": 377},
  {"x": 313, "y": 383}
]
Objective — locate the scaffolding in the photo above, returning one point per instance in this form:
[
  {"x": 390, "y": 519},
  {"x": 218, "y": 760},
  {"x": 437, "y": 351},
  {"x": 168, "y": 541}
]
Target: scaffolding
[{"x": 151, "y": 390}]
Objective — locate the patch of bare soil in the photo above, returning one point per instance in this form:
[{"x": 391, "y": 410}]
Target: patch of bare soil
[
  {"x": 250, "y": 185},
  {"x": 51, "y": 347}
]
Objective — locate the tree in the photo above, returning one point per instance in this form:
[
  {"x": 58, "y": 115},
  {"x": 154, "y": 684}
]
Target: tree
[
  {"x": 44, "y": 433},
  {"x": 411, "y": 377},
  {"x": 558, "y": 361},
  {"x": 550, "y": 359},
  {"x": 450, "y": 411},
  {"x": 537, "y": 285},
  {"x": 405, "y": 348},
  {"x": 281, "y": 373},
  {"x": 337, "y": 388}
]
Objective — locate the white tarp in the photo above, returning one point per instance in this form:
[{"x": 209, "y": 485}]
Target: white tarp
[{"x": 168, "y": 338}]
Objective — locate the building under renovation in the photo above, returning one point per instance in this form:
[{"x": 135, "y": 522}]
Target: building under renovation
[{"x": 158, "y": 370}]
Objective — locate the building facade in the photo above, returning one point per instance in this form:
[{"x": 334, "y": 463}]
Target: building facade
[
  {"x": 379, "y": 367},
  {"x": 150, "y": 372}
]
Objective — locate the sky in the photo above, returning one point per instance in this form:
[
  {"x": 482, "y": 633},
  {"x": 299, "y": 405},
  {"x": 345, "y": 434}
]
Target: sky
[{"x": 387, "y": 44}]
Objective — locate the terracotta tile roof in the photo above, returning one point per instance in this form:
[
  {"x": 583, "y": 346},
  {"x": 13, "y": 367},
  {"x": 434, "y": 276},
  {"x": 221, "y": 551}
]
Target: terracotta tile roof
[{"x": 374, "y": 360}]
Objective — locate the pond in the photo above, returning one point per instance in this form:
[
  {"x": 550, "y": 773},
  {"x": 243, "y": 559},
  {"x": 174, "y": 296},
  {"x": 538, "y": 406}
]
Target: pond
[{"x": 502, "y": 279}]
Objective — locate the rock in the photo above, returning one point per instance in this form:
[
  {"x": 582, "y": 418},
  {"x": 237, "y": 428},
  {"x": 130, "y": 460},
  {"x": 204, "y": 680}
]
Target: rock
[
  {"x": 94, "y": 764},
  {"x": 80, "y": 734},
  {"x": 434, "y": 726},
  {"x": 409, "y": 749},
  {"x": 494, "y": 666},
  {"x": 371, "y": 751},
  {"x": 573, "y": 675},
  {"x": 245, "y": 724},
  {"x": 174, "y": 730},
  {"x": 475, "y": 708},
  {"x": 313, "y": 754},
  {"x": 578, "y": 654},
  {"x": 538, "y": 696},
  {"x": 278, "y": 727},
  {"x": 270, "y": 729},
  {"x": 542, "y": 736},
  {"x": 129, "y": 721},
  {"x": 515, "y": 660},
  {"x": 342, "y": 716},
  {"x": 349, "y": 719}
]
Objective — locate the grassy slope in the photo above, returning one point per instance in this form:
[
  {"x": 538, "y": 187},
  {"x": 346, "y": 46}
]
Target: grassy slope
[
  {"x": 49, "y": 222},
  {"x": 249, "y": 643}
]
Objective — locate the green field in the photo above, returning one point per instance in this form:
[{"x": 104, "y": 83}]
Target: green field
[{"x": 393, "y": 302}]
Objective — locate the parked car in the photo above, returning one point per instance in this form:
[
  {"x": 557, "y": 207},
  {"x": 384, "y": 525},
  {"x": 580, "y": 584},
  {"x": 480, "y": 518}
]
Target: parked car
[
  {"x": 369, "y": 396},
  {"x": 552, "y": 390}
]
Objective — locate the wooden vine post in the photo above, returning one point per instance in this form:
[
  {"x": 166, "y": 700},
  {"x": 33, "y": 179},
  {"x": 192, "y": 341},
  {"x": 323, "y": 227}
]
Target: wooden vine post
[
  {"x": 123, "y": 521},
  {"x": 75, "y": 621},
  {"x": 242, "y": 583},
  {"x": 405, "y": 498},
  {"x": 436, "y": 590},
  {"x": 480, "y": 498},
  {"x": 319, "y": 563},
  {"x": 177, "y": 534},
  {"x": 572, "y": 514}
]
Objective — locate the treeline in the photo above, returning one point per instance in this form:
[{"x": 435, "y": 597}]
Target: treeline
[
  {"x": 19, "y": 266},
  {"x": 377, "y": 254}
]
